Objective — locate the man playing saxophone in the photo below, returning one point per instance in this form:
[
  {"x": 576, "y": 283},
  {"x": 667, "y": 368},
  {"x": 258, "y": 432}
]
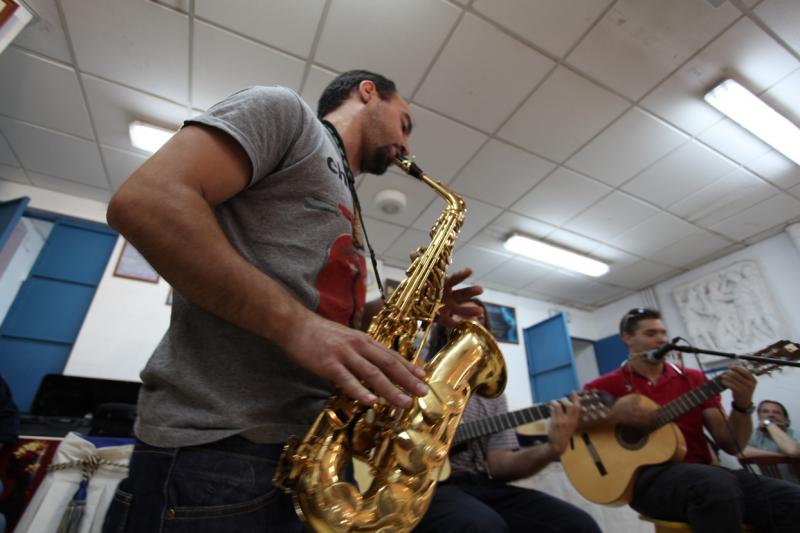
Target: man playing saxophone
[{"x": 249, "y": 212}]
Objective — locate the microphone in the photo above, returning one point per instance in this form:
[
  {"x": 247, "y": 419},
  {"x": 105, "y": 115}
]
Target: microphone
[{"x": 658, "y": 354}]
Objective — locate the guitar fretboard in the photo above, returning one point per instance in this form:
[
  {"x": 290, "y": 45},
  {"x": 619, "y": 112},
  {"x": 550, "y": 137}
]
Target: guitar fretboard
[
  {"x": 688, "y": 401},
  {"x": 498, "y": 423}
]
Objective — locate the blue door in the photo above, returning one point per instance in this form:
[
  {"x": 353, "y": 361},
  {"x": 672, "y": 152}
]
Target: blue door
[
  {"x": 610, "y": 353},
  {"x": 551, "y": 363},
  {"x": 42, "y": 324}
]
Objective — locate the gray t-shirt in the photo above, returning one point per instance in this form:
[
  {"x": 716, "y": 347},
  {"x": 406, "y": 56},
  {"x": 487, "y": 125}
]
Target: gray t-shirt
[{"x": 208, "y": 379}]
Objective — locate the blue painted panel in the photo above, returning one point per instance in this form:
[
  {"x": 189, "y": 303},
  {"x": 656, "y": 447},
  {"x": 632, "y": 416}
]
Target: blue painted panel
[
  {"x": 48, "y": 310},
  {"x": 73, "y": 253},
  {"x": 40, "y": 358},
  {"x": 610, "y": 353},
  {"x": 554, "y": 384},
  {"x": 10, "y": 213},
  {"x": 551, "y": 363}
]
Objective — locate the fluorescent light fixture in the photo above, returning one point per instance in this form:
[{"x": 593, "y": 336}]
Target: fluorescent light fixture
[
  {"x": 753, "y": 114},
  {"x": 559, "y": 257},
  {"x": 148, "y": 137}
]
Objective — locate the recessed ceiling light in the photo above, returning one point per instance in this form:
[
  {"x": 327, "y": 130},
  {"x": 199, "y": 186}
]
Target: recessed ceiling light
[
  {"x": 547, "y": 253},
  {"x": 148, "y": 137}
]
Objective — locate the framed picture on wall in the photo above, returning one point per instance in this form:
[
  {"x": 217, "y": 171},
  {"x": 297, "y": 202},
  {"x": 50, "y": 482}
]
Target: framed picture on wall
[
  {"x": 389, "y": 285},
  {"x": 132, "y": 265},
  {"x": 503, "y": 322}
]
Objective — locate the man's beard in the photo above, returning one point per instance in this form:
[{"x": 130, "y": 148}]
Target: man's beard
[{"x": 377, "y": 162}]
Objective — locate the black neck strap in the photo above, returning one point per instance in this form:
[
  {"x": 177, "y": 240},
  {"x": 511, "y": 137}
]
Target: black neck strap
[{"x": 351, "y": 184}]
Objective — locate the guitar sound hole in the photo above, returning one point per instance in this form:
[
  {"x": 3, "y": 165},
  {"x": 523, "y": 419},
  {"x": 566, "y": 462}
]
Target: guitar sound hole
[{"x": 630, "y": 438}]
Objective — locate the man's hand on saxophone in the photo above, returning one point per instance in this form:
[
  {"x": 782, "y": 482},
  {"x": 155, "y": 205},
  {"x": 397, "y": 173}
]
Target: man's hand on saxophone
[
  {"x": 456, "y": 302},
  {"x": 361, "y": 367}
]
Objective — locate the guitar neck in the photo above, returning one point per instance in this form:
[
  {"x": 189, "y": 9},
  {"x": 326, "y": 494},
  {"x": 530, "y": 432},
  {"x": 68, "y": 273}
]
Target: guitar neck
[
  {"x": 688, "y": 401},
  {"x": 501, "y": 422}
]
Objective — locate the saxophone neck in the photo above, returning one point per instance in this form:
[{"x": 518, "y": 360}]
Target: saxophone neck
[{"x": 412, "y": 169}]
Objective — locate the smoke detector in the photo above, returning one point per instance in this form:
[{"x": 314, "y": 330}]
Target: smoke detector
[{"x": 390, "y": 201}]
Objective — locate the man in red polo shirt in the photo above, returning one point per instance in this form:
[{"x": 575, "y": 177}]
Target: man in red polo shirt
[{"x": 709, "y": 498}]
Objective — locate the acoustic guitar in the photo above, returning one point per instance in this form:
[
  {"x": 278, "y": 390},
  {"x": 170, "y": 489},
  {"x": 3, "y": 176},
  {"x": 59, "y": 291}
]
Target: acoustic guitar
[
  {"x": 594, "y": 406},
  {"x": 603, "y": 462}
]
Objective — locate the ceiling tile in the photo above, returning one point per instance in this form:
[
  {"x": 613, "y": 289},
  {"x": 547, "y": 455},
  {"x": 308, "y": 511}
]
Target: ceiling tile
[
  {"x": 795, "y": 191},
  {"x": 318, "y": 78},
  {"x": 498, "y": 162},
  {"x": 723, "y": 198},
  {"x": 744, "y": 52},
  {"x": 784, "y": 96},
  {"x": 476, "y": 61},
  {"x": 613, "y": 256},
  {"x": 638, "y": 275},
  {"x": 562, "y": 115},
  {"x": 637, "y": 44},
  {"x": 397, "y": 39},
  {"x": 689, "y": 249},
  {"x": 139, "y": 32},
  {"x": 782, "y": 17},
  {"x": 181, "y": 5},
  {"x": 289, "y": 26},
  {"x": 554, "y": 25},
  {"x": 9, "y": 173},
  {"x": 574, "y": 287},
  {"x": 440, "y": 145},
  {"x": 215, "y": 76},
  {"x": 69, "y": 187},
  {"x": 629, "y": 145},
  {"x": 120, "y": 164},
  {"x": 734, "y": 141},
  {"x": 381, "y": 234},
  {"x": 478, "y": 215},
  {"x": 45, "y": 34},
  {"x": 495, "y": 235},
  {"x": 776, "y": 168},
  {"x": 480, "y": 260},
  {"x": 114, "y": 107},
  {"x": 686, "y": 170},
  {"x": 653, "y": 234},
  {"x": 66, "y": 156},
  {"x": 7, "y": 156},
  {"x": 42, "y": 92},
  {"x": 517, "y": 273},
  {"x": 561, "y": 196},
  {"x": 760, "y": 217},
  {"x": 406, "y": 244},
  {"x": 611, "y": 216},
  {"x": 418, "y": 196}
]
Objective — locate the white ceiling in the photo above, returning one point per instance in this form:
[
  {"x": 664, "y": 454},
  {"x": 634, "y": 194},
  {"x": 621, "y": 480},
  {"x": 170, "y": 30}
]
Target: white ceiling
[{"x": 578, "y": 121}]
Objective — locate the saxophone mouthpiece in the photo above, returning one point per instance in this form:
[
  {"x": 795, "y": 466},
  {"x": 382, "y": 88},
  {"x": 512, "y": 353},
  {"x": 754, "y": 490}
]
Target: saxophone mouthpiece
[{"x": 408, "y": 166}]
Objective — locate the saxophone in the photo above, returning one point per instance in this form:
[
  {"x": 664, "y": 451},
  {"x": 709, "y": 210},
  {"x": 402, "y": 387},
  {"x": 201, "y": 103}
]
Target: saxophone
[{"x": 404, "y": 448}]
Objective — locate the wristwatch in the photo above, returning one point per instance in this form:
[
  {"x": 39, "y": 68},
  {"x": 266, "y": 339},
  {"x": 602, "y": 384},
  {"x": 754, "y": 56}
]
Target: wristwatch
[{"x": 744, "y": 410}]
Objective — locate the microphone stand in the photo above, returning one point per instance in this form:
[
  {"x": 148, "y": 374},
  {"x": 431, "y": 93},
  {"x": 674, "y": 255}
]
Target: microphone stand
[{"x": 729, "y": 355}]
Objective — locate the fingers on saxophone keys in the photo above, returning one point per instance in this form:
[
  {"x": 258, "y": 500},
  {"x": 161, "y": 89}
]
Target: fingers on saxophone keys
[{"x": 389, "y": 375}]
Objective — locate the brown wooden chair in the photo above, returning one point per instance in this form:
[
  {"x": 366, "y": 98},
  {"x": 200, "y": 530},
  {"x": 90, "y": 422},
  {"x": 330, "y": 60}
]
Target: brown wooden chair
[{"x": 769, "y": 465}]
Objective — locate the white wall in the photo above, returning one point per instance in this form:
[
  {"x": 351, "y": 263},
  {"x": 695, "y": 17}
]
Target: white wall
[
  {"x": 123, "y": 325},
  {"x": 55, "y": 202}
]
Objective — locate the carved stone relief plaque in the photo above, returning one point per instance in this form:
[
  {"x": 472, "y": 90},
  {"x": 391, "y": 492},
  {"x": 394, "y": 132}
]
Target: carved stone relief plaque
[{"x": 730, "y": 310}]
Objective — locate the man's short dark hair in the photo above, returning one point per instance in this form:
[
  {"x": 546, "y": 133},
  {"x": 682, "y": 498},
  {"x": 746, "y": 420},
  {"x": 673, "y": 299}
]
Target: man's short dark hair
[
  {"x": 632, "y": 318},
  {"x": 340, "y": 88}
]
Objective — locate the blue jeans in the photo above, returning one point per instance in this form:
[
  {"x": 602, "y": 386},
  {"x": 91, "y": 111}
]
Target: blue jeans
[
  {"x": 223, "y": 487},
  {"x": 473, "y": 503},
  {"x": 714, "y": 499}
]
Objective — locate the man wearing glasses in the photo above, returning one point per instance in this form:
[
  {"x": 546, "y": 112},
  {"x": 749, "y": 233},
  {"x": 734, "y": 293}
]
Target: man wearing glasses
[{"x": 710, "y": 498}]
